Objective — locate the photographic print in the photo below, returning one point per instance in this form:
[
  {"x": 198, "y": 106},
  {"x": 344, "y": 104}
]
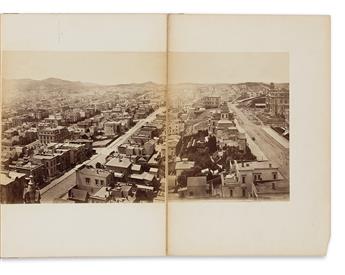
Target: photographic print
[
  {"x": 169, "y": 130},
  {"x": 81, "y": 126},
  {"x": 228, "y": 131}
]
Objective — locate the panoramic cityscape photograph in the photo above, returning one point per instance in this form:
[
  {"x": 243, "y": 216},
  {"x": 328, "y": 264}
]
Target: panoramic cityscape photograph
[
  {"x": 228, "y": 130},
  {"x": 84, "y": 141}
]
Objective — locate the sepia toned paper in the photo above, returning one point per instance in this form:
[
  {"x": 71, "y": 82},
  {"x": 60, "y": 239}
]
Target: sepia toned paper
[
  {"x": 301, "y": 225},
  {"x": 186, "y": 56},
  {"x": 106, "y": 50}
]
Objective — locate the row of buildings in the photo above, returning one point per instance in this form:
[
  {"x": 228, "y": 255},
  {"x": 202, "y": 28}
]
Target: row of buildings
[
  {"x": 45, "y": 137},
  {"x": 243, "y": 180},
  {"x": 134, "y": 173},
  {"x": 232, "y": 170},
  {"x": 274, "y": 99}
]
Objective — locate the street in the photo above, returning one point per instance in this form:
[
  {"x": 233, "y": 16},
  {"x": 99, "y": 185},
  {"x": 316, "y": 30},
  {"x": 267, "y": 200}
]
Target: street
[
  {"x": 61, "y": 185},
  {"x": 274, "y": 151}
]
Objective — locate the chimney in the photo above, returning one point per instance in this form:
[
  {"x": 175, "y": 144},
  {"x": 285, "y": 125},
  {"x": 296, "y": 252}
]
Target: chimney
[{"x": 7, "y": 173}]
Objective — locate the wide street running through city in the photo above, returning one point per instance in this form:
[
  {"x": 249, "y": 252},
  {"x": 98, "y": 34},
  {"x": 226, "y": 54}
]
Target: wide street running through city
[
  {"x": 276, "y": 153},
  {"x": 61, "y": 185}
]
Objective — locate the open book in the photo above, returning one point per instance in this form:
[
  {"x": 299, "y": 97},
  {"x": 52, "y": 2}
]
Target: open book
[{"x": 154, "y": 134}]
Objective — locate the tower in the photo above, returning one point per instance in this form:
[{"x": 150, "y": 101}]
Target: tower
[{"x": 31, "y": 192}]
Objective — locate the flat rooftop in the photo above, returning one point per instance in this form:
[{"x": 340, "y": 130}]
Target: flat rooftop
[
  {"x": 94, "y": 172},
  {"x": 251, "y": 165},
  {"x": 185, "y": 164},
  {"x": 119, "y": 162},
  {"x": 8, "y": 177}
]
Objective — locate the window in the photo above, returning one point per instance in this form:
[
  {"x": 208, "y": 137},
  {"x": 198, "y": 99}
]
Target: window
[
  {"x": 102, "y": 182},
  {"x": 274, "y": 175},
  {"x": 87, "y": 180},
  {"x": 243, "y": 179},
  {"x": 97, "y": 182}
]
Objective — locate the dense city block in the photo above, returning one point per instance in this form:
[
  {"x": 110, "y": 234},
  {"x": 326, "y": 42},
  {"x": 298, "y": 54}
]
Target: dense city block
[
  {"x": 228, "y": 141},
  {"x": 65, "y": 141}
]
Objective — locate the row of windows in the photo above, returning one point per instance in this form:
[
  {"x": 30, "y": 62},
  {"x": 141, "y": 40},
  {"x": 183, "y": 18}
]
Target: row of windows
[
  {"x": 51, "y": 163},
  {"x": 46, "y": 138},
  {"x": 97, "y": 182},
  {"x": 258, "y": 177},
  {"x": 286, "y": 101},
  {"x": 49, "y": 133}
]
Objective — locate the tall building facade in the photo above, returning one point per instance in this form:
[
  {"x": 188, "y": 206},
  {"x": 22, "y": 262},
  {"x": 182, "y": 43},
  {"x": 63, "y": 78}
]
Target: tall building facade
[
  {"x": 52, "y": 134},
  {"x": 278, "y": 102},
  {"x": 211, "y": 101}
]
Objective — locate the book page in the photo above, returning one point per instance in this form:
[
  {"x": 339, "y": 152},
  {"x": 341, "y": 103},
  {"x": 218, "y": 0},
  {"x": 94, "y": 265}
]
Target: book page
[
  {"x": 83, "y": 119},
  {"x": 249, "y": 155}
]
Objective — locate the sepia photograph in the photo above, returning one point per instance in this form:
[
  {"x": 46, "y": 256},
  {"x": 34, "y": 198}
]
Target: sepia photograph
[
  {"x": 228, "y": 131},
  {"x": 153, "y": 134},
  {"x": 169, "y": 130},
  {"x": 80, "y": 126}
]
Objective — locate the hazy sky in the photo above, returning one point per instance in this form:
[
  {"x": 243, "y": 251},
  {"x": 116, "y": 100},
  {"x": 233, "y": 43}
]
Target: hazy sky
[
  {"x": 112, "y": 49},
  {"x": 228, "y": 67},
  {"x": 97, "y": 67},
  {"x": 115, "y": 68},
  {"x": 100, "y": 48}
]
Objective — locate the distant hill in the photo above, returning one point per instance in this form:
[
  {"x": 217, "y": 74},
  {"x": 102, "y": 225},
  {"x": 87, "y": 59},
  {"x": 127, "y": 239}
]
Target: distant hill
[
  {"x": 14, "y": 88},
  {"x": 219, "y": 86},
  {"x": 49, "y": 84},
  {"x": 144, "y": 85},
  {"x": 56, "y": 83}
]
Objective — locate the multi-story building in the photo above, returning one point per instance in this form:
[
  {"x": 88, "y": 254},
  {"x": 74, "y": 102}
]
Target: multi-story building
[
  {"x": 93, "y": 179},
  {"x": 149, "y": 131},
  {"x": 131, "y": 149},
  {"x": 211, "y": 102},
  {"x": 50, "y": 161},
  {"x": 78, "y": 152},
  {"x": 242, "y": 141},
  {"x": 255, "y": 172},
  {"x": 225, "y": 112},
  {"x": 175, "y": 127},
  {"x": 12, "y": 186},
  {"x": 232, "y": 188},
  {"x": 144, "y": 178},
  {"x": 149, "y": 147},
  {"x": 41, "y": 114},
  {"x": 112, "y": 128},
  {"x": 144, "y": 134},
  {"x": 52, "y": 134},
  {"x": 119, "y": 165},
  {"x": 36, "y": 170},
  {"x": 72, "y": 116},
  {"x": 222, "y": 119},
  {"x": 278, "y": 102}
]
